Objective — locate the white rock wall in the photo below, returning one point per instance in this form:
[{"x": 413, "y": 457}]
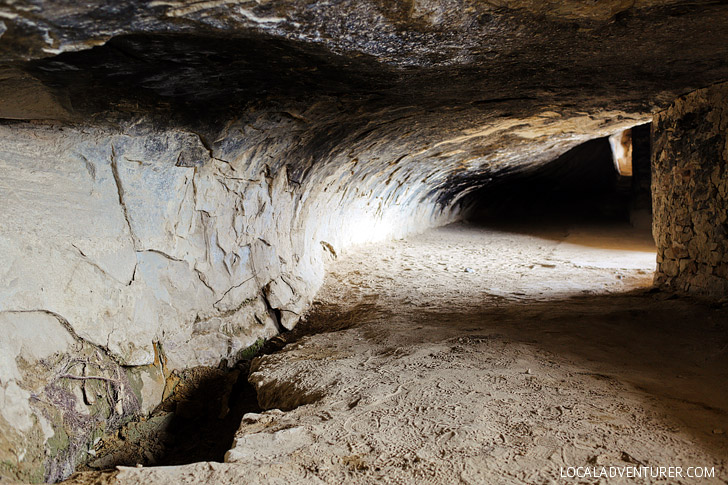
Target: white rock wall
[
  {"x": 134, "y": 251},
  {"x": 141, "y": 242}
]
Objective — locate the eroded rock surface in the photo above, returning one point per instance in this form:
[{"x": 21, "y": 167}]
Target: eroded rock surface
[
  {"x": 535, "y": 360},
  {"x": 167, "y": 249},
  {"x": 691, "y": 193},
  {"x": 176, "y": 174}
]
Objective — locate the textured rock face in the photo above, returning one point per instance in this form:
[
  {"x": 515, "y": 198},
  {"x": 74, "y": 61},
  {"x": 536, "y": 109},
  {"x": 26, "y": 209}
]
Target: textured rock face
[
  {"x": 174, "y": 175},
  {"x": 690, "y": 193},
  {"x": 154, "y": 250},
  {"x": 426, "y": 52}
]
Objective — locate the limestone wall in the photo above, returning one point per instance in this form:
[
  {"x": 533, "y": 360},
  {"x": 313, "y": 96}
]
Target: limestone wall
[
  {"x": 136, "y": 249},
  {"x": 131, "y": 254},
  {"x": 690, "y": 193}
]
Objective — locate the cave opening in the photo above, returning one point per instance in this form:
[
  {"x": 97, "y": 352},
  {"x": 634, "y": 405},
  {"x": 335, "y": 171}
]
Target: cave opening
[
  {"x": 583, "y": 183},
  {"x": 582, "y": 198},
  {"x": 359, "y": 242}
]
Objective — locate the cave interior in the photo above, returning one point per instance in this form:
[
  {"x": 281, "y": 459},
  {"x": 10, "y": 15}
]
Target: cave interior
[{"x": 221, "y": 221}]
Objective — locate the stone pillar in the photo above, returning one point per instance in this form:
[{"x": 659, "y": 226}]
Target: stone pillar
[{"x": 690, "y": 193}]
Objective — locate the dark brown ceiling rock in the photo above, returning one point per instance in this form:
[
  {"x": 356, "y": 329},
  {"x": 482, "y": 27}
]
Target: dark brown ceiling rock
[{"x": 434, "y": 52}]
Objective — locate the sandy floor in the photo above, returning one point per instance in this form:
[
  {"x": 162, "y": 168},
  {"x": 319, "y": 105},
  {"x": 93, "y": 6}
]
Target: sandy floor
[{"x": 472, "y": 355}]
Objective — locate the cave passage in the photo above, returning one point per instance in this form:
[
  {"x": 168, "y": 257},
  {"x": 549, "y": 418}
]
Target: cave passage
[
  {"x": 490, "y": 355},
  {"x": 483, "y": 351},
  {"x": 365, "y": 241},
  {"x": 556, "y": 237}
]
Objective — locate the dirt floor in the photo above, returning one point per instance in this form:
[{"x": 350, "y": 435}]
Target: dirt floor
[{"x": 484, "y": 355}]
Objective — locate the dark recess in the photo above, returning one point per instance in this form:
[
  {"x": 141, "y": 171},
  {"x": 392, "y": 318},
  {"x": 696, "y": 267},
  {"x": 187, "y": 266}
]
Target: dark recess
[
  {"x": 198, "y": 421},
  {"x": 580, "y": 185}
]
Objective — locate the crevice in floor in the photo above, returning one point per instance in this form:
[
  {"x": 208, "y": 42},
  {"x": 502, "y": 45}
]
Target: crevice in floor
[{"x": 197, "y": 422}]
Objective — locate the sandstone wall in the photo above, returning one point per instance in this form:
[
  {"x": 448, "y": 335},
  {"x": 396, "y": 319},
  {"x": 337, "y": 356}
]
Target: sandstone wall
[
  {"x": 136, "y": 250},
  {"x": 690, "y": 193},
  {"x": 131, "y": 254}
]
